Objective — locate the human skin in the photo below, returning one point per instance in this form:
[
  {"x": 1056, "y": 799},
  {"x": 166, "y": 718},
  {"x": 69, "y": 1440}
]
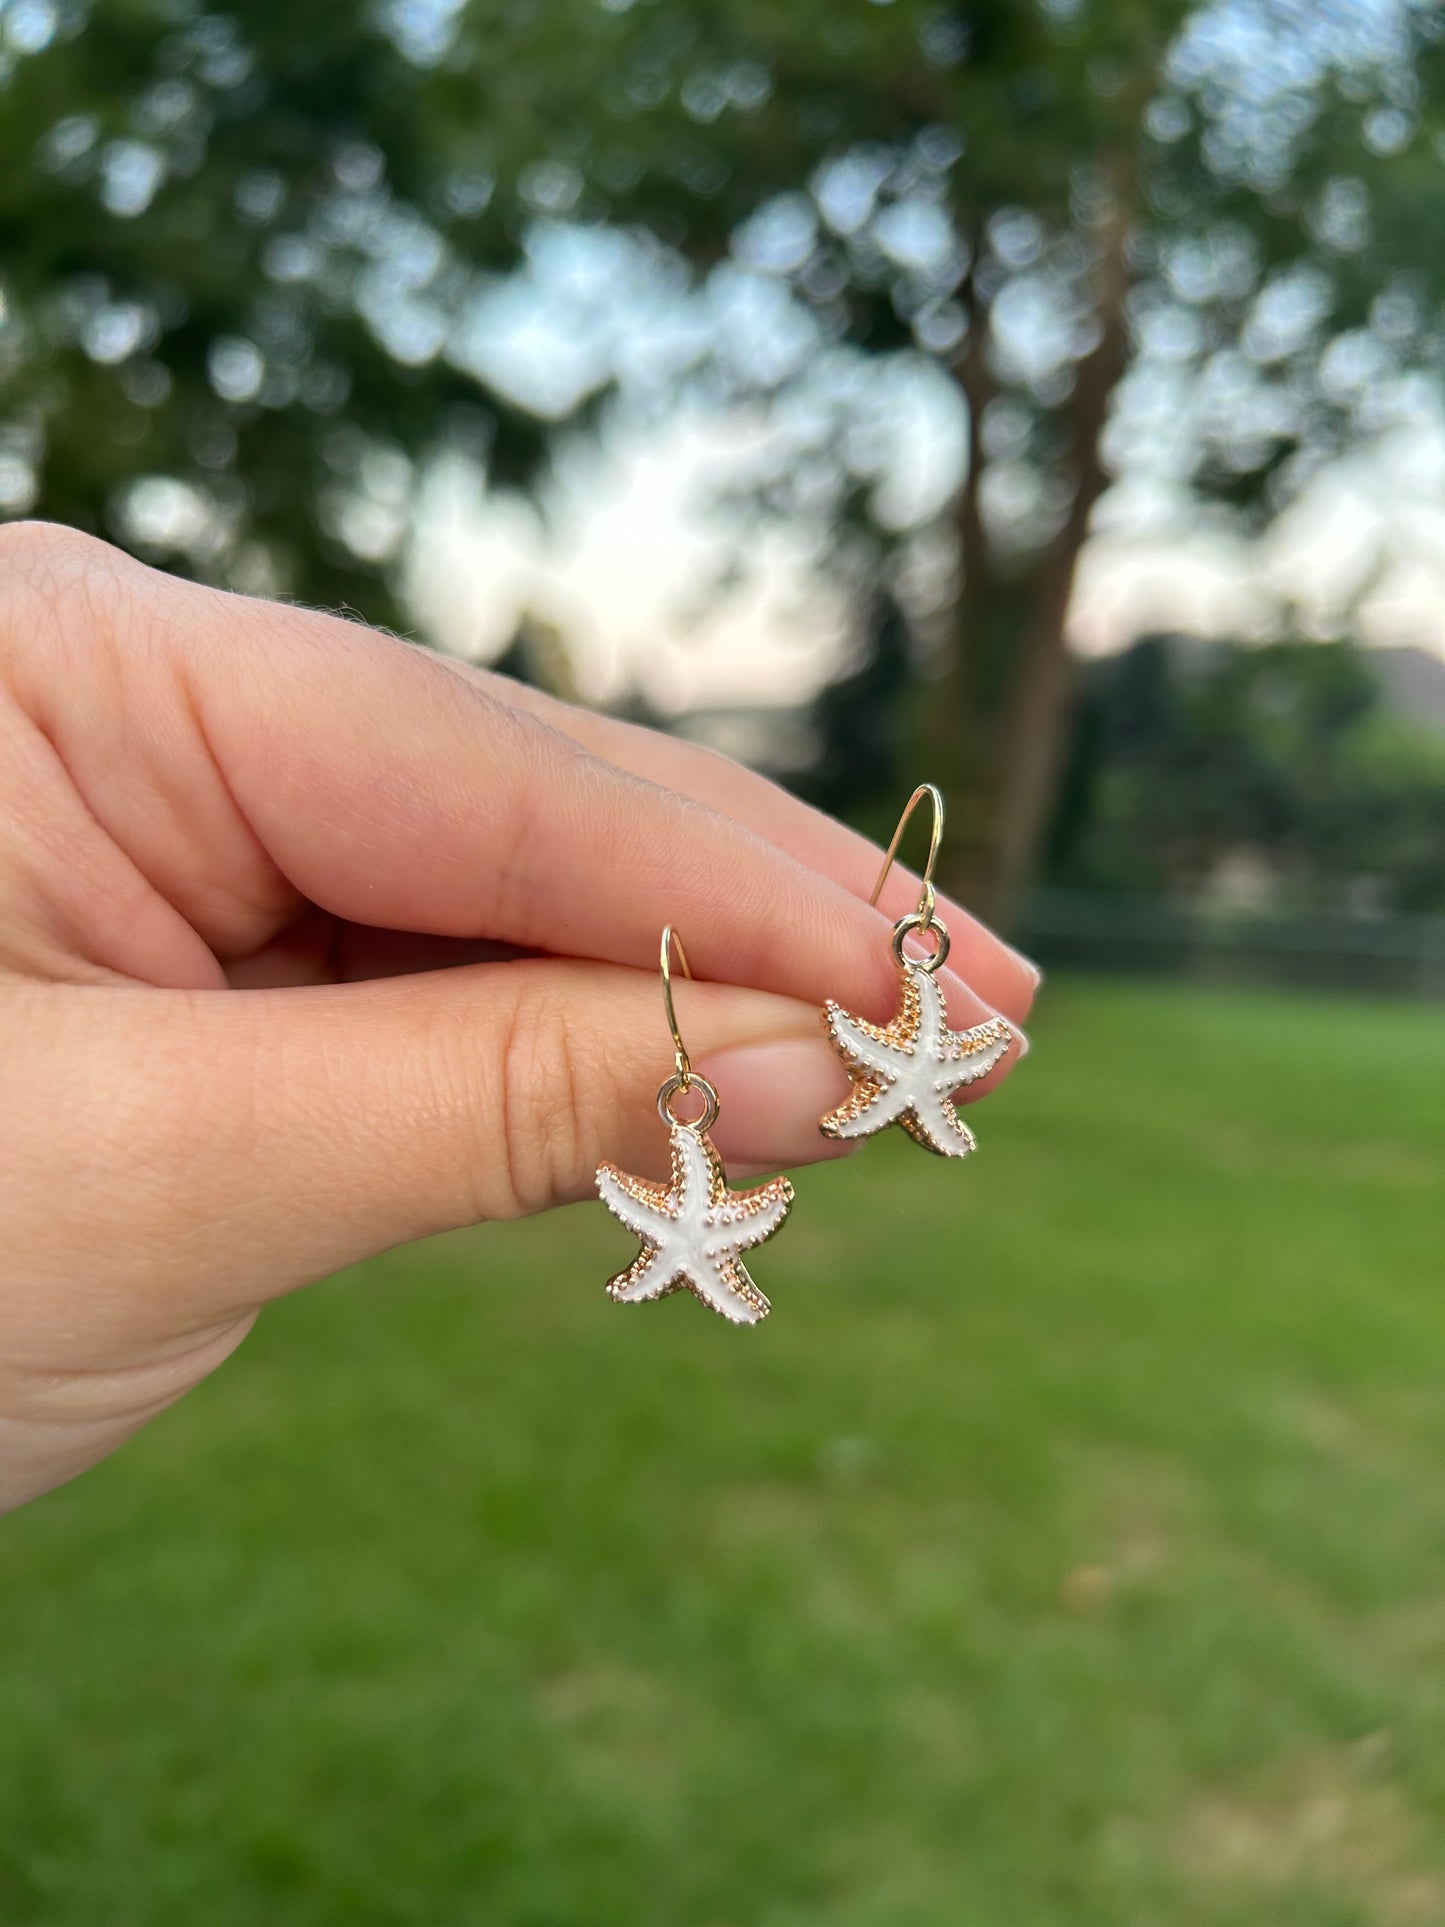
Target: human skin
[{"x": 312, "y": 942}]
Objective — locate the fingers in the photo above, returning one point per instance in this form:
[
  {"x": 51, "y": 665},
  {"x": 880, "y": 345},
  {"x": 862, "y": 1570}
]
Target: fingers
[
  {"x": 236, "y": 1144},
  {"x": 205, "y": 1152},
  {"x": 1003, "y": 978},
  {"x": 318, "y": 949},
  {"x": 390, "y": 792},
  {"x": 248, "y": 758},
  {"x": 208, "y": 1151}
]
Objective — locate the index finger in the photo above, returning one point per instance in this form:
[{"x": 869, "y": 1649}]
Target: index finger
[
  {"x": 392, "y": 792},
  {"x": 1002, "y": 977},
  {"x": 246, "y": 755}
]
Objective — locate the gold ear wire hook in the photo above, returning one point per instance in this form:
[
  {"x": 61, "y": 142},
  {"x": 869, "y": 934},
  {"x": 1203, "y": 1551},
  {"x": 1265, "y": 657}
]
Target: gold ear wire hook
[
  {"x": 926, "y": 898},
  {"x": 682, "y": 1060},
  {"x": 683, "y": 1078}
]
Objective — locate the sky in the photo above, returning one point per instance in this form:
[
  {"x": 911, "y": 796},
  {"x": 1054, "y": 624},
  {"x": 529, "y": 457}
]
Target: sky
[
  {"x": 625, "y": 556},
  {"x": 627, "y": 571},
  {"x": 627, "y": 563}
]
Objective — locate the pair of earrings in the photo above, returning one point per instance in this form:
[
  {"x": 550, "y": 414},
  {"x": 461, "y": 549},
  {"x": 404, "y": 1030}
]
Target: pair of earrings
[{"x": 694, "y": 1229}]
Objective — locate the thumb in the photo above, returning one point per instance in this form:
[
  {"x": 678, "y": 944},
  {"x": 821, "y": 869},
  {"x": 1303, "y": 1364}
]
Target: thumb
[
  {"x": 273, "y": 1136},
  {"x": 170, "y": 1159}
]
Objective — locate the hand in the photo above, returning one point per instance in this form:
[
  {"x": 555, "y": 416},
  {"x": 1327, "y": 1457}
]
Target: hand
[{"x": 239, "y": 842}]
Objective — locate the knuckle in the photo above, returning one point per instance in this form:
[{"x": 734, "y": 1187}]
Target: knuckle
[
  {"x": 546, "y": 763},
  {"x": 50, "y": 552},
  {"x": 539, "y": 1089},
  {"x": 57, "y": 585}
]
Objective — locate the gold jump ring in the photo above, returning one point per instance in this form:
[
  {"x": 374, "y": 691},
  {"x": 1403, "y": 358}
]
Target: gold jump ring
[
  {"x": 674, "y": 1087},
  {"x": 920, "y": 926}
]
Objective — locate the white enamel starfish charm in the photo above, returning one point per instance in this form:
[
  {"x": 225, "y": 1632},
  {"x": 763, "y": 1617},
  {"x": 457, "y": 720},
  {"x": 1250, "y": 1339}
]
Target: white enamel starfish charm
[
  {"x": 693, "y": 1229},
  {"x": 906, "y": 1072}
]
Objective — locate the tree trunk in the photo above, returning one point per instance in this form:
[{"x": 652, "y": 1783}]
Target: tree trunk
[
  {"x": 1006, "y": 744},
  {"x": 954, "y": 725},
  {"x": 1032, "y": 742}
]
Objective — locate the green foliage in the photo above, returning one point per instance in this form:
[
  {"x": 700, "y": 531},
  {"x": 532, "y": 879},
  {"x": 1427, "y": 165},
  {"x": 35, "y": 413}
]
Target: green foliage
[
  {"x": 1188, "y": 754},
  {"x": 1065, "y": 1552},
  {"x": 1386, "y": 817},
  {"x": 231, "y": 247},
  {"x": 860, "y": 721},
  {"x": 244, "y": 250},
  {"x": 259, "y": 269}
]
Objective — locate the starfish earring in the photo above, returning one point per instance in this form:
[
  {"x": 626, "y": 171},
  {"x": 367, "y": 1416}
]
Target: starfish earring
[
  {"x": 906, "y": 1072},
  {"x": 694, "y": 1229}
]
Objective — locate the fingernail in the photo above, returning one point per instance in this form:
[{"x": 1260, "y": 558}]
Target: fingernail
[
  {"x": 1015, "y": 1055},
  {"x": 1034, "y": 970},
  {"x": 965, "y": 1008},
  {"x": 771, "y": 1097}
]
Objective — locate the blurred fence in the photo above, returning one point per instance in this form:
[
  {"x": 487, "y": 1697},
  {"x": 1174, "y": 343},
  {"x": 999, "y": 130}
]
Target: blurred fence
[{"x": 1087, "y": 930}]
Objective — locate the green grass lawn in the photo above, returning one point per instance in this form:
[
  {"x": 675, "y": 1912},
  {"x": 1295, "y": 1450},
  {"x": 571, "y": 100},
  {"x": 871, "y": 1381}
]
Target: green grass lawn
[{"x": 1068, "y": 1548}]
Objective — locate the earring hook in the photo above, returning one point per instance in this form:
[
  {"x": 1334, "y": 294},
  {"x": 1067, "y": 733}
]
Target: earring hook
[
  {"x": 926, "y": 898},
  {"x": 683, "y": 1078},
  {"x": 671, "y": 941}
]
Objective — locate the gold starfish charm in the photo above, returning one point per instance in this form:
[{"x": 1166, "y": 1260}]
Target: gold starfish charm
[
  {"x": 906, "y": 1072},
  {"x": 694, "y": 1228}
]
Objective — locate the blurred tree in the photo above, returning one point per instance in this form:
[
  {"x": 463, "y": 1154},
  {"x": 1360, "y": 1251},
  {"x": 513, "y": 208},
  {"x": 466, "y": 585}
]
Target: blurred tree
[
  {"x": 234, "y": 249},
  {"x": 538, "y": 654},
  {"x": 1189, "y": 757},
  {"x": 251, "y": 261},
  {"x": 860, "y": 717},
  {"x": 1108, "y": 225}
]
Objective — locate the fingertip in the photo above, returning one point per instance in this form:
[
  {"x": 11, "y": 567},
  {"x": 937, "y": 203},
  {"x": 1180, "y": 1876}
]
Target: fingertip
[{"x": 772, "y": 1096}]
